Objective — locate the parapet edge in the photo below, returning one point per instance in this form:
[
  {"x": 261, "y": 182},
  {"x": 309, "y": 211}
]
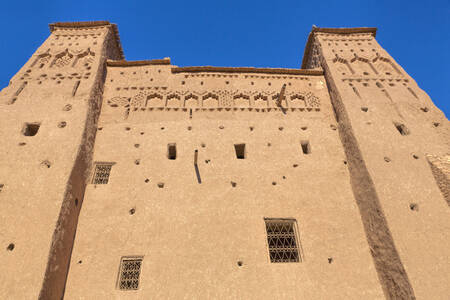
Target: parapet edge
[
  {"x": 124, "y": 63},
  {"x": 91, "y": 24},
  {"x": 313, "y": 72}
]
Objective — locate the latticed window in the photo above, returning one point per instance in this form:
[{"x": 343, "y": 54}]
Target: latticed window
[
  {"x": 282, "y": 241},
  {"x": 101, "y": 173},
  {"x": 130, "y": 270}
]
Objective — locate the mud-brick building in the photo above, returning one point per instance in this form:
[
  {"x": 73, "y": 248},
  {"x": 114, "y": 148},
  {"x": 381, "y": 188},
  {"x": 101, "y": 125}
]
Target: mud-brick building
[{"x": 144, "y": 180}]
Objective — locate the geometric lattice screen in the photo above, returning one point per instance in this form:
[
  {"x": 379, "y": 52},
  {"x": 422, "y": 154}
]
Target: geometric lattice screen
[
  {"x": 130, "y": 270},
  {"x": 101, "y": 173},
  {"x": 281, "y": 238}
]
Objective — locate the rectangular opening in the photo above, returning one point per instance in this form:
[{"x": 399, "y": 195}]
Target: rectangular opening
[
  {"x": 172, "y": 151},
  {"x": 240, "y": 151},
  {"x": 101, "y": 173},
  {"x": 306, "y": 147},
  {"x": 30, "y": 129},
  {"x": 129, "y": 273},
  {"x": 282, "y": 240},
  {"x": 401, "y": 128}
]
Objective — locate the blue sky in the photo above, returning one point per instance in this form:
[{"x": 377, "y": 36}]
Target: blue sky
[{"x": 242, "y": 33}]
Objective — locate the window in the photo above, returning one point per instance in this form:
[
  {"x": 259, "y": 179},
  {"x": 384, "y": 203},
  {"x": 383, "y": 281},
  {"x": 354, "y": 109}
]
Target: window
[
  {"x": 30, "y": 129},
  {"x": 240, "y": 151},
  {"x": 306, "y": 147},
  {"x": 401, "y": 128},
  {"x": 282, "y": 241},
  {"x": 130, "y": 270},
  {"x": 172, "y": 151},
  {"x": 101, "y": 173}
]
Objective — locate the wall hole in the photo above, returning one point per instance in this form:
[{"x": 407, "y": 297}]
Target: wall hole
[
  {"x": 76, "y": 201},
  {"x": 251, "y": 128},
  {"x": 274, "y": 183},
  {"x": 221, "y": 127},
  {"x": 189, "y": 128},
  {"x": 415, "y": 156},
  {"x": 240, "y": 263},
  {"x": 306, "y": 147},
  {"x": 330, "y": 260},
  {"x": 137, "y": 161},
  {"x": 22, "y": 144},
  {"x": 100, "y": 128},
  {"x": 30, "y": 129},
  {"x": 46, "y": 163},
  {"x": 233, "y": 184},
  {"x": 62, "y": 124},
  {"x": 269, "y": 144},
  {"x": 162, "y": 128},
  {"x": 424, "y": 109},
  {"x": 295, "y": 165},
  {"x": 142, "y": 133},
  {"x": 333, "y": 127},
  {"x": 80, "y": 262},
  {"x": 67, "y": 107},
  {"x": 345, "y": 162},
  {"x": 414, "y": 207},
  {"x": 304, "y": 128},
  {"x": 387, "y": 159},
  {"x": 147, "y": 180},
  {"x": 127, "y": 128},
  {"x": 280, "y": 128},
  {"x": 436, "y": 124},
  {"x": 364, "y": 109},
  {"x": 136, "y": 145},
  {"x": 401, "y": 128},
  {"x": 172, "y": 151},
  {"x": 160, "y": 185},
  {"x": 10, "y": 247},
  {"x": 132, "y": 211},
  {"x": 203, "y": 145},
  {"x": 240, "y": 151}
]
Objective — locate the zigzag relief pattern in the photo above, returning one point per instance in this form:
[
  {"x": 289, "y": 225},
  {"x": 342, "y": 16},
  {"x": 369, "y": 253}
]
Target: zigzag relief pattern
[
  {"x": 358, "y": 65},
  {"x": 211, "y": 75},
  {"x": 161, "y": 98}
]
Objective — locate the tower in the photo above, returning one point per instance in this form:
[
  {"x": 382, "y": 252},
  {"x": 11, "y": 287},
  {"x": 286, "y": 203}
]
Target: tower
[
  {"x": 48, "y": 124},
  {"x": 390, "y": 130}
]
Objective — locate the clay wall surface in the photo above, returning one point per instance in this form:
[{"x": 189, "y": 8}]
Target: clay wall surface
[
  {"x": 395, "y": 125},
  {"x": 56, "y": 88},
  {"x": 192, "y": 235}
]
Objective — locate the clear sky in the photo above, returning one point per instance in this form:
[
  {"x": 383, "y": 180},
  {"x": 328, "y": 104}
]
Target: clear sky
[{"x": 241, "y": 33}]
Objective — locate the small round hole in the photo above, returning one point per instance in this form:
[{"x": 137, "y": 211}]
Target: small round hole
[
  {"x": 136, "y": 145},
  {"x": 137, "y": 161},
  {"x": 147, "y": 180},
  {"x": 415, "y": 156},
  {"x": 127, "y": 128},
  {"x": 221, "y": 127},
  {"x": 160, "y": 185},
  {"x": 269, "y": 144},
  {"x": 189, "y": 128},
  {"x": 280, "y": 128},
  {"x": 414, "y": 207},
  {"x": 132, "y": 211},
  {"x": 274, "y": 183},
  {"x": 142, "y": 133},
  {"x": 62, "y": 124},
  {"x": 233, "y": 184},
  {"x": 10, "y": 247},
  {"x": 330, "y": 260},
  {"x": 162, "y": 128},
  {"x": 240, "y": 263},
  {"x": 203, "y": 145},
  {"x": 304, "y": 128},
  {"x": 345, "y": 162},
  {"x": 295, "y": 165},
  {"x": 80, "y": 262}
]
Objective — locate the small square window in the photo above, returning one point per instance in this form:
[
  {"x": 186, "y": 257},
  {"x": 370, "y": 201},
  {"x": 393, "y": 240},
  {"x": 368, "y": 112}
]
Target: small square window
[
  {"x": 240, "y": 151},
  {"x": 172, "y": 151},
  {"x": 129, "y": 273},
  {"x": 282, "y": 240},
  {"x": 30, "y": 129},
  {"x": 306, "y": 147},
  {"x": 101, "y": 173}
]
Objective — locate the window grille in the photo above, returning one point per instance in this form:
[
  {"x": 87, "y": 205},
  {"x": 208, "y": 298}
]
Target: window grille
[
  {"x": 282, "y": 241},
  {"x": 101, "y": 173},
  {"x": 130, "y": 270}
]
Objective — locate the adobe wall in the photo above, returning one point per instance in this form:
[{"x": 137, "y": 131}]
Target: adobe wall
[
  {"x": 399, "y": 198},
  {"x": 192, "y": 235},
  {"x": 43, "y": 175}
]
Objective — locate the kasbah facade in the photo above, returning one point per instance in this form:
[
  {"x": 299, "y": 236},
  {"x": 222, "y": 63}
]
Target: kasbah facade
[{"x": 143, "y": 180}]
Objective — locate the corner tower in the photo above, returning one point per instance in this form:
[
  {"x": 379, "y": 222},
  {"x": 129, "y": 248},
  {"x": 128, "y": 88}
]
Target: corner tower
[
  {"x": 390, "y": 130},
  {"x": 47, "y": 127}
]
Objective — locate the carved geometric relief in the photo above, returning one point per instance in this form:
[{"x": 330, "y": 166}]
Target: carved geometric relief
[
  {"x": 62, "y": 60},
  {"x": 191, "y": 101},
  {"x": 260, "y": 101},
  {"x": 155, "y": 100},
  {"x": 385, "y": 66},
  {"x": 297, "y": 101},
  {"x": 241, "y": 100},
  {"x": 41, "y": 60},
  {"x": 119, "y": 102},
  {"x": 362, "y": 66},
  {"x": 84, "y": 59},
  {"x": 210, "y": 100},
  {"x": 138, "y": 100},
  {"x": 173, "y": 100}
]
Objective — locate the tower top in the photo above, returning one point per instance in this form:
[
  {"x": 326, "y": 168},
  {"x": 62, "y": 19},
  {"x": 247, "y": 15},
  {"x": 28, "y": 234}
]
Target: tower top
[
  {"x": 91, "y": 24},
  {"x": 341, "y": 30}
]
